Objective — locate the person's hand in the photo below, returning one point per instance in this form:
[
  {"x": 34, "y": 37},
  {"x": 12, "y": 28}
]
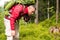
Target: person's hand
[{"x": 13, "y": 32}]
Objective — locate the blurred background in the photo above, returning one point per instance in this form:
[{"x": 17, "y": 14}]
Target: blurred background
[{"x": 47, "y": 14}]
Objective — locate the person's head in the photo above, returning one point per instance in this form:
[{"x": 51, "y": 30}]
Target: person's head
[{"x": 31, "y": 10}]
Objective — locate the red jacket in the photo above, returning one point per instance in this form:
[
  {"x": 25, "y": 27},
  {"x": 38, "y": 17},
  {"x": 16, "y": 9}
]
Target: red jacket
[{"x": 15, "y": 14}]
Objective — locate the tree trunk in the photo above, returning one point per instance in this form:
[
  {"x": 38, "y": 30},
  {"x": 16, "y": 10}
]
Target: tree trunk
[
  {"x": 48, "y": 9},
  {"x": 36, "y": 12},
  {"x": 57, "y": 10},
  {"x": 16, "y": 37}
]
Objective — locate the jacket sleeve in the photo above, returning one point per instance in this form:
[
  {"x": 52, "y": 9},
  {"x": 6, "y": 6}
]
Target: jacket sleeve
[{"x": 15, "y": 13}]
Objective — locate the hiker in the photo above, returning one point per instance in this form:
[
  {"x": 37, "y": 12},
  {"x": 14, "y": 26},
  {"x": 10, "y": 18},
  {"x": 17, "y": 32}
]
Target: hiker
[{"x": 11, "y": 21}]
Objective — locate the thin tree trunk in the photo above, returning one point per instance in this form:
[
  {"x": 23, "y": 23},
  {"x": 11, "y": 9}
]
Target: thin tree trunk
[
  {"x": 16, "y": 37},
  {"x": 48, "y": 9},
  {"x": 57, "y": 10},
  {"x": 36, "y": 12}
]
